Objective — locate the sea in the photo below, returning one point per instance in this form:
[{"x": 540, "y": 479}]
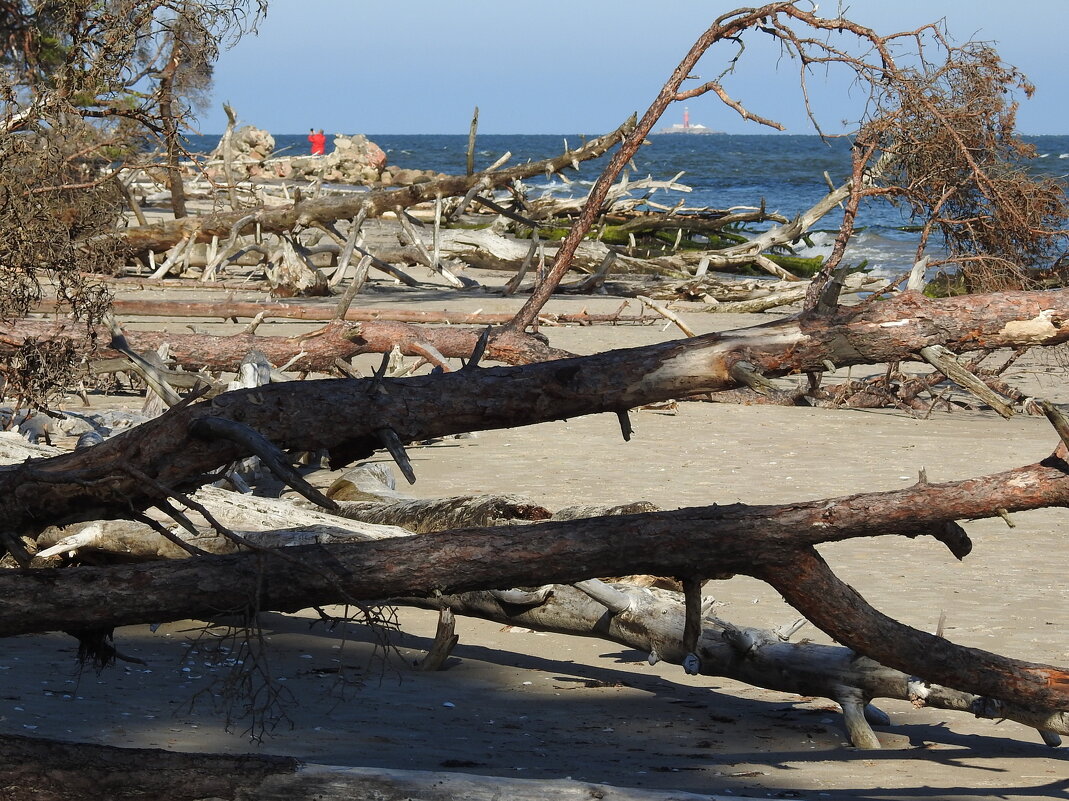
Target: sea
[{"x": 784, "y": 172}]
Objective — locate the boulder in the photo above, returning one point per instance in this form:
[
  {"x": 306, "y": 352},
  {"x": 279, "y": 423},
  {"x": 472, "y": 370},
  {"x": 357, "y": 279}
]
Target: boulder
[
  {"x": 250, "y": 148},
  {"x": 351, "y": 160}
]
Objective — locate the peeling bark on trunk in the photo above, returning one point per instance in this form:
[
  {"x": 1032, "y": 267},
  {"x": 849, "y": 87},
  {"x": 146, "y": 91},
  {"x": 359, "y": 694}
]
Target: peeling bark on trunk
[{"x": 312, "y": 352}]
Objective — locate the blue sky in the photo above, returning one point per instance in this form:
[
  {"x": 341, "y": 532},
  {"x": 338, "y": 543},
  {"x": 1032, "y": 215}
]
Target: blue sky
[{"x": 569, "y": 67}]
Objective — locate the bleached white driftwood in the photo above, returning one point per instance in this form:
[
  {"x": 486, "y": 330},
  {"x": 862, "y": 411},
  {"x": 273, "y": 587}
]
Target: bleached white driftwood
[{"x": 14, "y": 448}]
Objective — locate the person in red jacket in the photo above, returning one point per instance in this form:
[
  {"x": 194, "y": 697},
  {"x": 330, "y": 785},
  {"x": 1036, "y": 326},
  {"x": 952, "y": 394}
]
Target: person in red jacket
[{"x": 318, "y": 141}]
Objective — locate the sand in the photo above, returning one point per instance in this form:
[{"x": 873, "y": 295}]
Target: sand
[{"x": 523, "y": 704}]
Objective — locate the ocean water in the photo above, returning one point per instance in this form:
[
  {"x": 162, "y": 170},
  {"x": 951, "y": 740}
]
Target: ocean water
[{"x": 723, "y": 170}]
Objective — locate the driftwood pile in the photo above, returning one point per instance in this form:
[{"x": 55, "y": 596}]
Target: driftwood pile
[{"x": 115, "y": 532}]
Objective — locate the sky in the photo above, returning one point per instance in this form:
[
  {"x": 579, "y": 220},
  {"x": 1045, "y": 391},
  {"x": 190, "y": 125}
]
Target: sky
[{"x": 573, "y": 66}]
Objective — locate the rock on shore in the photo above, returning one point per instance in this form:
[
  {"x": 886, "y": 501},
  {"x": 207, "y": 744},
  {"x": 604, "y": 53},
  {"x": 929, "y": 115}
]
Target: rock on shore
[{"x": 352, "y": 160}]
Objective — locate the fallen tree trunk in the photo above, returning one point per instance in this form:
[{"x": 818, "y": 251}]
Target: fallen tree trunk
[
  {"x": 354, "y": 417},
  {"x": 46, "y": 770},
  {"x": 276, "y": 219},
  {"x": 230, "y": 309},
  {"x": 702, "y": 542},
  {"x": 136, "y": 470},
  {"x": 315, "y": 351},
  {"x": 650, "y": 621}
]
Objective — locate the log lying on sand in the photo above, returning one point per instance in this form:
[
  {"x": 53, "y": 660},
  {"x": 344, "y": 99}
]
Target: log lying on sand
[
  {"x": 644, "y": 618},
  {"x": 229, "y": 309},
  {"x": 648, "y": 619},
  {"x": 46, "y": 770},
  {"x": 651, "y": 621},
  {"x": 354, "y": 417},
  {"x": 177, "y": 451},
  {"x": 765, "y": 542},
  {"x": 315, "y": 351}
]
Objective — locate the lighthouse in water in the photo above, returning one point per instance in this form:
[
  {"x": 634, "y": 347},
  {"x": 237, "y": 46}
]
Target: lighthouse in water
[{"x": 686, "y": 127}]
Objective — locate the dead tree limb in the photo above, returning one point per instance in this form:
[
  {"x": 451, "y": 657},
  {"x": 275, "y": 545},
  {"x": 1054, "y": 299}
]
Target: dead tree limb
[
  {"x": 227, "y": 309},
  {"x": 761, "y": 541},
  {"x": 651, "y": 621},
  {"x": 315, "y": 351},
  {"x": 728, "y": 27},
  {"x": 350, "y": 412}
]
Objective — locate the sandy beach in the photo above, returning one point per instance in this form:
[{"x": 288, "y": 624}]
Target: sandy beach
[{"x": 517, "y": 703}]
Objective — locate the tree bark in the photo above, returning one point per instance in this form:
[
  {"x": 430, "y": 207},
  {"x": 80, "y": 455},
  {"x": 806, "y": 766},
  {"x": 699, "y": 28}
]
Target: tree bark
[
  {"x": 715, "y": 541},
  {"x": 170, "y": 124},
  {"x": 350, "y": 415},
  {"x": 227, "y": 309},
  {"x": 311, "y": 352}
]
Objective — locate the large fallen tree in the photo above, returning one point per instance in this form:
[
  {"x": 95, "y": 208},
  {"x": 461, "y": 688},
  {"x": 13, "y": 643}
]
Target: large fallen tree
[
  {"x": 156, "y": 467},
  {"x": 355, "y": 417},
  {"x": 773, "y": 543},
  {"x": 176, "y": 452}
]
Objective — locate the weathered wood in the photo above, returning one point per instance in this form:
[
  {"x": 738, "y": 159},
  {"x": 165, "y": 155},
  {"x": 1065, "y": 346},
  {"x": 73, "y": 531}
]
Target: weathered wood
[
  {"x": 710, "y": 541},
  {"x": 349, "y": 412},
  {"x": 439, "y": 514},
  {"x": 646, "y": 619},
  {"x": 47, "y": 770},
  {"x": 651, "y": 621},
  {"x": 808, "y": 584},
  {"x": 263, "y": 522},
  {"x": 445, "y": 639},
  {"x": 275, "y": 219},
  {"x": 290, "y": 274},
  {"x": 295, "y": 310},
  {"x": 314, "y": 351}
]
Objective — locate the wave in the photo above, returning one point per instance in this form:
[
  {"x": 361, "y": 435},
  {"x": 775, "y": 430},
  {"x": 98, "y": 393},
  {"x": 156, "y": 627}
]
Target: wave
[{"x": 888, "y": 253}]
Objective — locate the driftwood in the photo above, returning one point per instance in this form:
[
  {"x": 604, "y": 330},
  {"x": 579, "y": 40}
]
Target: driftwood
[
  {"x": 773, "y": 543},
  {"x": 622, "y": 198},
  {"x": 277, "y": 219},
  {"x": 354, "y": 416},
  {"x": 643, "y": 618},
  {"x": 46, "y": 770},
  {"x": 646, "y": 619},
  {"x": 316, "y": 351},
  {"x": 438, "y": 514},
  {"x": 295, "y": 310},
  {"x": 651, "y": 620},
  {"x": 484, "y": 248},
  {"x": 261, "y": 522}
]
